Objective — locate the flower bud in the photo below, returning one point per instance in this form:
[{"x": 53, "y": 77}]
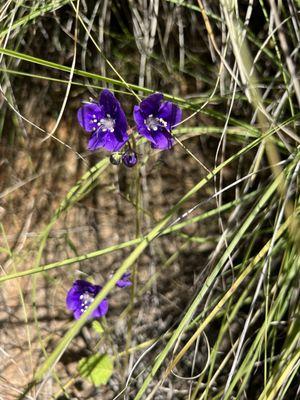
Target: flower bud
[
  {"x": 115, "y": 158},
  {"x": 129, "y": 158}
]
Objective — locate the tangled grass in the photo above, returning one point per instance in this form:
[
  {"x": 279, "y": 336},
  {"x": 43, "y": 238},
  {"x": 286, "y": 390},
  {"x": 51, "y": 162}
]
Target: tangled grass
[{"x": 209, "y": 230}]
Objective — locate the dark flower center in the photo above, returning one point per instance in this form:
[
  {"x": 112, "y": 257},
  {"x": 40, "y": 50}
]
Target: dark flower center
[
  {"x": 86, "y": 300},
  {"x": 153, "y": 123},
  {"x": 104, "y": 124}
]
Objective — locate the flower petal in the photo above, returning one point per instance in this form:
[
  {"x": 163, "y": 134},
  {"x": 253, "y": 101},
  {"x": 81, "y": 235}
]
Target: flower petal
[
  {"x": 72, "y": 300},
  {"x": 170, "y": 113},
  {"x": 163, "y": 140},
  {"x": 113, "y": 107},
  {"x": 111, "y": 141},
  {"x": 101, "y": 310},
  {"x": 138, "y": 117},
  {"x": 114, "y": 141},
  {"x": 151, "y": 104},
  {"x": 95, "y": 141},
  {"x": 124, "y": 281},
  {"x": 121, "y": 121},
  {"x": 109, "y": 103},
  {"x": 121, "y": 135},
  {"x": 82, "y": 285},
  {"x": 77, "y": 313},
  {"x": 141, "y": 126},
  {"x": 86, "y": 115}
]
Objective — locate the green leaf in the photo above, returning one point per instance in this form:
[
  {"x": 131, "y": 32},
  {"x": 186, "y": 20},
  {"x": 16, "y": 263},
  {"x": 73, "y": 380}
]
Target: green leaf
[
  {"x": 98, "y": 368},
  {"x": 97, "y": 327}
]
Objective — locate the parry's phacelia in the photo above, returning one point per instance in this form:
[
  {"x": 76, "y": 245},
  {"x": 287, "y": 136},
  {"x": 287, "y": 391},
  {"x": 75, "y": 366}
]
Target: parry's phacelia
[
  {"x": 155, "y": 119},
  {"x": 80, "y": 297},
  {"x": 106, "y": 122},
  {"x": 124, "y": 281}
]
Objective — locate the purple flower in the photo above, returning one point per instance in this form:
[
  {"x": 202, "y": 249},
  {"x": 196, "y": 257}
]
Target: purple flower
[
  {"x": 124, "y": 281},
  {"x": 129, "y": 158},
  {"x": 106, "y": 121},
  {"x": 155, "y": 120},
  {"x": 80, "y": 297}
]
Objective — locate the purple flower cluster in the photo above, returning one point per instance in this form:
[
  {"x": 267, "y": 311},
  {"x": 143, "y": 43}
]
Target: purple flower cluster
[
  {"x": 106, "y": 121},
  {"x": 82, "y": 294}
]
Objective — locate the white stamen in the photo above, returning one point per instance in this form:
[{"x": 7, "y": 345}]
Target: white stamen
[
  {"x": 164, "y": 123},
  {"x": 104, "y": 124},
  {"x": 153, "y": 123},
  {"x": 87, "y": 301}
]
